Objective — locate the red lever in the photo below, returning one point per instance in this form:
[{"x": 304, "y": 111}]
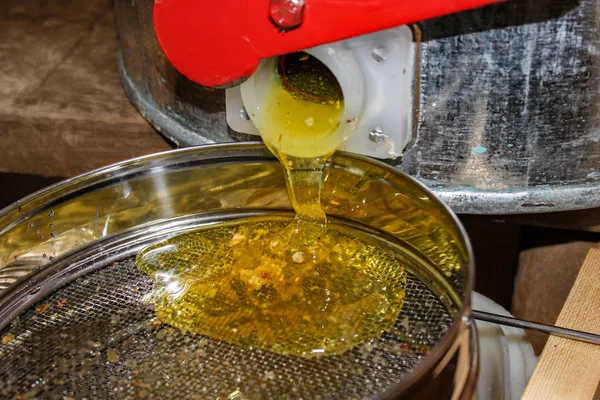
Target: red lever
[{"x": 215, "y": 42}]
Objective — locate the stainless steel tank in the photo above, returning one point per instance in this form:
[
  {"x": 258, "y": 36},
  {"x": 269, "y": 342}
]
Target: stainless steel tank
[{"x": 507, "y": 107}]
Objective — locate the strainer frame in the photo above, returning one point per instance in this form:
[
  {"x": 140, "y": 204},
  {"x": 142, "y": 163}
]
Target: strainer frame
[{"x": 425, "y": 372}]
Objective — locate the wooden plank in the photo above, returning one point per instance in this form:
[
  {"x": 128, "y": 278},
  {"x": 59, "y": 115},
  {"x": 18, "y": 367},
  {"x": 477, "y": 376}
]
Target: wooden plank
[
  {"x": 548, "y": 267},
  {"x": 63, "y": 148},
  {"x": 569, "y": 369},
  {"x": 62, "y": 108}
]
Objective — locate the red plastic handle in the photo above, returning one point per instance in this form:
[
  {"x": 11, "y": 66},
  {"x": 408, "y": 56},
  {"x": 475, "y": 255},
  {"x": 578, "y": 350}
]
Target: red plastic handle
[{"x": 215, "y": 42}]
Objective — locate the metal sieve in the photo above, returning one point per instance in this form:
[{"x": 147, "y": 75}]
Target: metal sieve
[{"x": 74, "y": 322}]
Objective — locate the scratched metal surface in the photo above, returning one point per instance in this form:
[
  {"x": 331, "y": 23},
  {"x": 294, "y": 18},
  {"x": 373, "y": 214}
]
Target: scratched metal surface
[{"x": 508, "y": 118}]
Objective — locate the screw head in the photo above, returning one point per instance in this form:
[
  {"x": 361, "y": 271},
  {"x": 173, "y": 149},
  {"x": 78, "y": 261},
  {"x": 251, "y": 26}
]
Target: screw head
[
  {"x": 244, "y": 114},
  {"x": 286, "y": 14},
  {"x": 377, "y": 135},
  {"x": 378, "y": 55}
]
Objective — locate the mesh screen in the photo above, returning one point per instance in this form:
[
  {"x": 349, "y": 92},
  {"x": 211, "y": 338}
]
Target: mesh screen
[{"x": 98, "y": 338}]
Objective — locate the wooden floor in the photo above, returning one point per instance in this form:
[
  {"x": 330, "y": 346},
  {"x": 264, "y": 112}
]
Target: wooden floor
[{"x": 62, "y": 108}]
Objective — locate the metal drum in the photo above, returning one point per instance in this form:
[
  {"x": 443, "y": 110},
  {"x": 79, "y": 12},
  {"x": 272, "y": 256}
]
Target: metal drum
[
  {"x": 507, "y": 114},
  {"x": 73, "y": 320}
]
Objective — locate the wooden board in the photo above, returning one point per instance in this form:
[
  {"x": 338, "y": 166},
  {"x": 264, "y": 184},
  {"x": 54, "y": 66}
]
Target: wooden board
[
  {"x": 569, "y": 369},
  {"x": 548, "y": 267},
  {"x": 62, "y": 108}
]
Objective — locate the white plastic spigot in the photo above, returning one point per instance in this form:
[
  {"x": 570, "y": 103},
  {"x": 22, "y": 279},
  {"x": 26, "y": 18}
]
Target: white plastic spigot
[{"x": 376, "y": 75}]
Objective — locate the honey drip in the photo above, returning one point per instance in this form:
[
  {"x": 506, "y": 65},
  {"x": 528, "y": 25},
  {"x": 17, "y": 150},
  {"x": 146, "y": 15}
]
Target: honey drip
[{"x": 304, "y": 288}]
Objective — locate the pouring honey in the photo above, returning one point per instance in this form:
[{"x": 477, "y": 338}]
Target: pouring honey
[{"x": 305, "y": 288}]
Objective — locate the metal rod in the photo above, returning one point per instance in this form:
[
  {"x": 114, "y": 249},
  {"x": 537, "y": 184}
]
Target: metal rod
[{"x": 549, "y": 329}]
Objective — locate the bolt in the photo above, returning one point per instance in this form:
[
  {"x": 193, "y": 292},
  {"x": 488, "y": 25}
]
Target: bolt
[
  {"x": 286, "y": 14},
  {"x": 378, "y": 55},
  {"x": 377, "y": 135},
  {"x": 244, "y": 114}
]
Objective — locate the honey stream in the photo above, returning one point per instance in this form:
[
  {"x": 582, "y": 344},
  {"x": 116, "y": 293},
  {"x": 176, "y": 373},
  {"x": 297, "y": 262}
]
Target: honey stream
[{"x": 303, "y": 288}]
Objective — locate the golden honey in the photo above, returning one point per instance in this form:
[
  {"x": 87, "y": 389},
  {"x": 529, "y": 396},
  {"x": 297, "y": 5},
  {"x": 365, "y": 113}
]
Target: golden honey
[
  {"x": 305, "y": 288},
  {"x": 301, "y": 113},
  {"x": 239, "y": 283}
]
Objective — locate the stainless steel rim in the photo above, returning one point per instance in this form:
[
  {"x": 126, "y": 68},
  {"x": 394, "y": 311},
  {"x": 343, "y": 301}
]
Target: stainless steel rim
[{"x": 141, "y": 164}]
